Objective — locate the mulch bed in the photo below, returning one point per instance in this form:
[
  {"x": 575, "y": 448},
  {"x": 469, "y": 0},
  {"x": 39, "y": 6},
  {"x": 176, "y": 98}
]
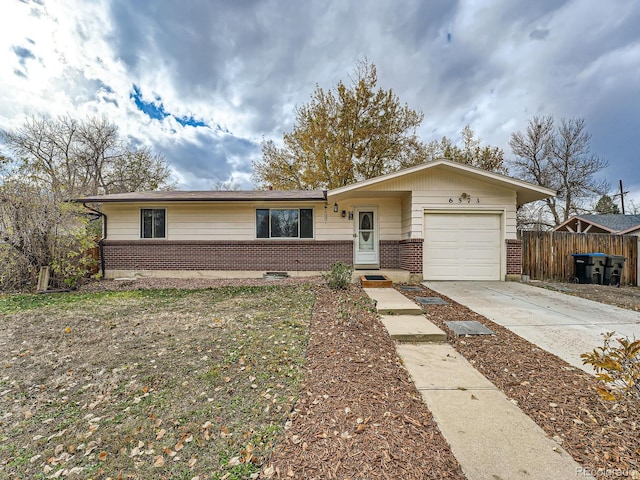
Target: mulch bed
[
  {"x": 358, "y": 415},
  {"x": 601, "y": 435}
]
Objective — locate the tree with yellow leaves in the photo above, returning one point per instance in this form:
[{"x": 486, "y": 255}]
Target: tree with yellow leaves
[{"x": 342, "y": 136}]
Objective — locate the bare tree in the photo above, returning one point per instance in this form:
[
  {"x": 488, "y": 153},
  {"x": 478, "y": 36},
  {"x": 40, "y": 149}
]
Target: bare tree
[
  {"x": 137, "y": 170},
  {"x": 82, "y": 157},
  {"x": 225, "y": 185},
  {"x": 44, "y": 152},
  {"x": 560, "y": 158},
  {"x": 576, "y": 167},
  {"x": 633, "y": 208}
]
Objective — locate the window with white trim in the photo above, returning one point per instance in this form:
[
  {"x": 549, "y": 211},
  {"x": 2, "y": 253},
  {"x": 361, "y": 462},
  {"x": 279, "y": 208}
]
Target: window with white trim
[
  {"x": 153, "y": 223},
  {"x": 284, "y": 223}
]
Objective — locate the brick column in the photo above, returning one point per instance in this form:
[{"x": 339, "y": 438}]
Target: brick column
[
  {"x": 514, "y": 257},
  {"x": 411, "y": 258}
]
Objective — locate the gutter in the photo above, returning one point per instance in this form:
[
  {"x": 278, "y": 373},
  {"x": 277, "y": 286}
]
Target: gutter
[{"x": 104, "y": 235}]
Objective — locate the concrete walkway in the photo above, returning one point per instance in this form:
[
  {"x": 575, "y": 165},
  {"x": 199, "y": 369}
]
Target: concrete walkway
[
  {"x": 413, "y": 328},
  {"x": 488, "y": 434},
  {"x": 389, "y": 300},
  {"x": 564, "y": 325}
]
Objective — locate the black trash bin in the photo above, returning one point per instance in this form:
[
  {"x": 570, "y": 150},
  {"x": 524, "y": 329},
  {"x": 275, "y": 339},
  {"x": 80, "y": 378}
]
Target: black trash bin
[
  {"x": 589, "y": 267},
  {"x": 613, "y": 270}
]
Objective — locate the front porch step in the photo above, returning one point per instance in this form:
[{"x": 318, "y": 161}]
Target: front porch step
[
  {"x": 412, "y": 329},
  {"x": 389, "y": 302}
]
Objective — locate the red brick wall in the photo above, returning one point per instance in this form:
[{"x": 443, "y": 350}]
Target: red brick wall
[
  {"x": 514, "y": 257},
  {"x": 411, "y": 255},
  {"x": 389, "y": 254},
  {"x": 252, "y": 255}
]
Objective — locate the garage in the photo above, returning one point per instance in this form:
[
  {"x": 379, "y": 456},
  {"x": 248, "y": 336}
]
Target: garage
[{"x": 462, "y": 246}]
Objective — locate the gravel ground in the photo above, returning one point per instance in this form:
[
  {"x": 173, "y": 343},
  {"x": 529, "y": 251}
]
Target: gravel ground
[{"x": 623, "y": 297}]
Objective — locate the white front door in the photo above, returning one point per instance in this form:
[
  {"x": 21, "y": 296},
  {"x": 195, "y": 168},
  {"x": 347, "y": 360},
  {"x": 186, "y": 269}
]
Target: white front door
[{"x": 366, "y": 237}]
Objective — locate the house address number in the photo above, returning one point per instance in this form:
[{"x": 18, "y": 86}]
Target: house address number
[{"x": 462, "y": 200}]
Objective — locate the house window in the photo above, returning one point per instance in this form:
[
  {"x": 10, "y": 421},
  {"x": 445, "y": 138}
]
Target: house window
[
  {"x": 284, "y": 223},
  {"x": 153, "y": 223}
]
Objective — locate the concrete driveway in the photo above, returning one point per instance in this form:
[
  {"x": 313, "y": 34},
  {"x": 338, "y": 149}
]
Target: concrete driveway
[{"x": 564, "y": 325}]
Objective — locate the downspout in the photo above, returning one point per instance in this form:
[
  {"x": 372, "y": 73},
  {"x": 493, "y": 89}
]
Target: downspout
[
  {"x": 104, "y": 235},
  {"x": 326, "y": 205}
]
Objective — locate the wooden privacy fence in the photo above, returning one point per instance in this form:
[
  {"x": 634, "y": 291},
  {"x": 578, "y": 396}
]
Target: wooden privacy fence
[
  {"x": 94, "y": 253},
  {"x": 548, "y": 255}
]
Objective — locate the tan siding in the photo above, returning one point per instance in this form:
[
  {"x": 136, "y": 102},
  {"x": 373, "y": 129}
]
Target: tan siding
[
  {"x": 400, "y": 216},
  {"x": 511, "y": 228},
  {"x": 211, "y": 222},
  {"x": 196, "y": 221},
  {"x": 123, "y": 221},
  {"x": 334, "y": 227},
  {"x": 389, "y": 215},
  {"x": 406, "y": 217},
  {"x": 338, "y": 228},
  {"x": 440, "y": 191},
  {"x": 432, "y": 190}
]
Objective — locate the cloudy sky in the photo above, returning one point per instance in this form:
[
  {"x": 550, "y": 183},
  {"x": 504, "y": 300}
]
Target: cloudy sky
[{"x": 204, "y": 81}]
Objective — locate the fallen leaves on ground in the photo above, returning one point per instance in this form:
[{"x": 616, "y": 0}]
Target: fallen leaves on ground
[{"x": 149, "y": 383}]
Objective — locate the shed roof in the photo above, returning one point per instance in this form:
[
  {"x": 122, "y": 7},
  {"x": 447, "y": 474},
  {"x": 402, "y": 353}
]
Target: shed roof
[{"x": 611, "y": 222}]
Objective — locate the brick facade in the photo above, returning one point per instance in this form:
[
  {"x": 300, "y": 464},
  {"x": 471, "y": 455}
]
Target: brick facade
[
  {"x": 411, "y": 255},
  {"x": 389, "y": 254},
  {"x": 296, "y": 255},
  {"x": 514, "y": 257}
]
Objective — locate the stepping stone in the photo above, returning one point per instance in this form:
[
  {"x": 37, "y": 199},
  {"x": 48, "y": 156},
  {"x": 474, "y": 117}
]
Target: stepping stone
[
  {"x": 469, "y": 327},
  {"x": 409, "y": 288},
  {"x": 431, "y": 301}
]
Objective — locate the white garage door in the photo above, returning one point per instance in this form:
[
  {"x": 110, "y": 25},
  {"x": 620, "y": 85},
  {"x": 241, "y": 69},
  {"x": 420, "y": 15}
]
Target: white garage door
[{"x": 462, "y": 246}]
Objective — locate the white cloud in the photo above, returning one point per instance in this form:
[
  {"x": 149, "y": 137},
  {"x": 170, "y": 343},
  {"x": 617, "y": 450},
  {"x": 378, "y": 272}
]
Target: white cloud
[{"x": 245, "y": 66}]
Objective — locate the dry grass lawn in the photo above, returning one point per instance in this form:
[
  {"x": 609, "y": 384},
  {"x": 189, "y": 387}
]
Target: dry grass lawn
[{"x": 148, "y": 383}]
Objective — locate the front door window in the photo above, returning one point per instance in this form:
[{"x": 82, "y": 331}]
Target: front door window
[{"x": 366, "y": 231}]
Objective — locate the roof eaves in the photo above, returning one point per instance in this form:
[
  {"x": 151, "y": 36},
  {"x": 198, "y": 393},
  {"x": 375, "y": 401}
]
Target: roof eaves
[
  {"x": 628, "y": 230},
  {"x": 434, "y": 163},
  {"x": 313, "y": 195}
]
